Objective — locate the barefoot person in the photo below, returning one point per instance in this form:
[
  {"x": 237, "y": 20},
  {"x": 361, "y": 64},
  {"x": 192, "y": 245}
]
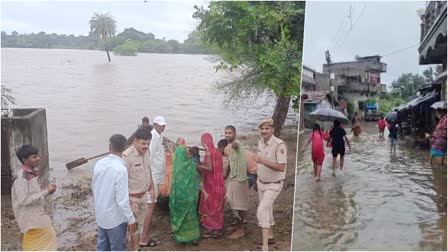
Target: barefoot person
[
  {"x": 211, "y": 204},
  {"x": 113, "y": 213},
  {"x": 157, "y": 164},
  {"x": 251, "y": 167},
  {"x": 28, "y": 200},
  {"x": 317, "y": 138},
  {"x": 237, "y": 187},
  {"x": 140, "y": 180},
  {"x": 337, "y": 137},
  {"x": 381, "y": 126},
  {"x": 393, "y": 136},
  {"x": 271, "y": 159}
]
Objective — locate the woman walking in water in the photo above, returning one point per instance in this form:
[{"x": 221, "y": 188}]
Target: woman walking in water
[
  {"x": 317, "y": 138},
  {"x": 337, "y": 137}
]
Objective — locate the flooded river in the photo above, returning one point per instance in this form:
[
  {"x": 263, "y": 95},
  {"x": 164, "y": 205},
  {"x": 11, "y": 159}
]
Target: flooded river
[
  {"x": 87, "y": 100},
  {"x": 377, "y": 202}
]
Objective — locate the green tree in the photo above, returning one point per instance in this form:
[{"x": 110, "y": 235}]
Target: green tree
[
  {"x": 104, "y": 26},
  {"x": 6, "y": 97},
  {"x": 264, "y": 41},
  {"x": 127, "y": 49},
  {"x": 131, "y": 33},
  {"x": 408, "y": 84},
  {"x": 431, "y": 74},
  {"x": 390, "y": 101}
]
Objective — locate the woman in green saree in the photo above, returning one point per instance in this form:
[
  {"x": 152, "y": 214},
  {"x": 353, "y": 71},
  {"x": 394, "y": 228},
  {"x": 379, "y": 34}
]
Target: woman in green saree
[{"x": 184, "y": 198}]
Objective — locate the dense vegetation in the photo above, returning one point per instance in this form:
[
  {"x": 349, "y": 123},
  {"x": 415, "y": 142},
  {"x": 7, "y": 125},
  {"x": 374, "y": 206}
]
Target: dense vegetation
[
  {"x": 405, "y": 87},
  {"x": 140, "y": 41},
  {"x": 263, "y": 40}
]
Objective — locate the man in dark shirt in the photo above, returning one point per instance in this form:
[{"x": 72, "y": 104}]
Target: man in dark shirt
[
  {"x": 337, "y": 137},
  {"x": 145, "y": 124},
  {"x": 393, "y": 136}
]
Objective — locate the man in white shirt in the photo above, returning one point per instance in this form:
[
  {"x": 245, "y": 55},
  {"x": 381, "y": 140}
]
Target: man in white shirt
[
  {"x": 157, "y": 163},
  {"x": 113, "y": 212}
]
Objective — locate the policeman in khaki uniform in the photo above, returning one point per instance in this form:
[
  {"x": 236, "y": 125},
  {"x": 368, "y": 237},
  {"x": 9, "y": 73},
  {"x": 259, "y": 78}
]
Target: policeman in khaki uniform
[
  {"x": 140, "y": 179},
  {"x": 271, "y": 165}
]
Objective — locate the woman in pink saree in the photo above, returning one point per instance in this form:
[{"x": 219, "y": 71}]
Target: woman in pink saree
[{"x": 211, "y": 204}]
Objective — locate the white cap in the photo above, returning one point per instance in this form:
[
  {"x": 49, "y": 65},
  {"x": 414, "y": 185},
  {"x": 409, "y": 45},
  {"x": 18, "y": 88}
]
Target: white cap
[{"x": 160, "y": 120}]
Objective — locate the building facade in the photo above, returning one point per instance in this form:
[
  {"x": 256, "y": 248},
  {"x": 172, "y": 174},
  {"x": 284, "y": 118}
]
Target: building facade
[
  {"x": 356, "y": 81},
  {"x": 432, "y": 49}
]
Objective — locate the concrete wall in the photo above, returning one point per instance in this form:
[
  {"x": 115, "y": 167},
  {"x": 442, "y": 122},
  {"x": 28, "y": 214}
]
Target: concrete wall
[
  {"x": 323, "y": 82},
  {"x": 26, "y": 126}
]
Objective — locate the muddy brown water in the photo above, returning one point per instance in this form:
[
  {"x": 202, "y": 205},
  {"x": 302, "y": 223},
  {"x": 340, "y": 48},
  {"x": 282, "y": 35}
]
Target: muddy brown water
[
  {"x": 87, "y": 100},
  {"x": 377, "y": 202}
]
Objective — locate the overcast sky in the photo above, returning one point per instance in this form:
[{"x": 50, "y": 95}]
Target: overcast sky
[
  {"x": 169, "y": 19},
  {"x": 376, "y": 28}
]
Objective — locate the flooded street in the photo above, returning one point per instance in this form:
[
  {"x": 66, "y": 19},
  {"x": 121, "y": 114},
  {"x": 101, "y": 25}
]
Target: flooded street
[{"x": 376, "y": 203}]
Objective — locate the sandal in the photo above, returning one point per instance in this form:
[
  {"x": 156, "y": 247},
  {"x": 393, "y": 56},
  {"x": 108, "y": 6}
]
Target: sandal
[
  {"x": 216, "y": 234},
  {"x": 235, "y": 222},
  {"x": 207, "y": 235},
  {"x": 271, "y": 241},
  {"x": 151, "y": 243}
]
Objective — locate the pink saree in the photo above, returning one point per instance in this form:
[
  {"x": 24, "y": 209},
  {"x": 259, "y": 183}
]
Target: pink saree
[{"x": 211, "y": 205}]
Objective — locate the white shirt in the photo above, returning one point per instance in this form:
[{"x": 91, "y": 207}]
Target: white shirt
[
  {"x": 110, "y": 191},
  {"x": 157, "y": 157}
]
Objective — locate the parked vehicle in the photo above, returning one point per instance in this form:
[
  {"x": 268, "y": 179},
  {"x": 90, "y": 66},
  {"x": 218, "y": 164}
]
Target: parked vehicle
[{"x": 371, "y": 113}]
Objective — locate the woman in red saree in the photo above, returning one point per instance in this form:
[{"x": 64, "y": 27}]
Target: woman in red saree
[{"x": 211, "y": 205}]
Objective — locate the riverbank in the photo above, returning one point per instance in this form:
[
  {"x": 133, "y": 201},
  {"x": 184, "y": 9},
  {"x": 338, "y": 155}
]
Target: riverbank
[{"x": 75, "y": 224}]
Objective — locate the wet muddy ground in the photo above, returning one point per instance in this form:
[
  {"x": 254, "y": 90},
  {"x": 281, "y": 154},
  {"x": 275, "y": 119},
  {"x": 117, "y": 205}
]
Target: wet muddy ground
[
  {"x": 74, "y": 220},
  {"x": 377, "y": 202}
]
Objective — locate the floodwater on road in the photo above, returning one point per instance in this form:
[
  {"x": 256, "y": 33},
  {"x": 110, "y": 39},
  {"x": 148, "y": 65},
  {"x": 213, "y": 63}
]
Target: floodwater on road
[{"x": 377, "y": 202}]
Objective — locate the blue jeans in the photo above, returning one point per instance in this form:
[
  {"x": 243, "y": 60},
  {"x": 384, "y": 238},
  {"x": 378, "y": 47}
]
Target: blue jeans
[
  {"x": 113, "y": 239},
  {"x": 252, "y": 179}
]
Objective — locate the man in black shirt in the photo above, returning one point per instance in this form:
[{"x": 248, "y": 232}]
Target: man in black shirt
[
  {"x": 393, "y": 136},
  {"x": 337, "y": 137}
]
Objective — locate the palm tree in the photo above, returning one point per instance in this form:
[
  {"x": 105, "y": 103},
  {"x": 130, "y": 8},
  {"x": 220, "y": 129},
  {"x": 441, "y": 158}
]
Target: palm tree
[{"x": 104, "y": 26}]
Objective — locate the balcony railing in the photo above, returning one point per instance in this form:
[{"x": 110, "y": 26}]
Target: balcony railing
[
  {"x": 360, "y": 87},
  {"x": 432, "y": 13}
]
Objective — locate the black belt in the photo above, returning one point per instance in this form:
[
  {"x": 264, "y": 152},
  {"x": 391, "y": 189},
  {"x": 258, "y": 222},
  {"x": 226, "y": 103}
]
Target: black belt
[{"x": 276, "y": 182}]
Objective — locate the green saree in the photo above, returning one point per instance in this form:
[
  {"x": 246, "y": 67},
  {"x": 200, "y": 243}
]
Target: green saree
[{"x": 184, "y": 198}]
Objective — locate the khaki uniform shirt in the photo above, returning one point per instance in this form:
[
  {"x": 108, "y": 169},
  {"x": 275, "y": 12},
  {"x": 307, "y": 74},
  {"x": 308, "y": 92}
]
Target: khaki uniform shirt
[
  {"x": 274, "y": 151},
  {"x": 139, "y": 170},
  {"x": 28, "y": 203}
]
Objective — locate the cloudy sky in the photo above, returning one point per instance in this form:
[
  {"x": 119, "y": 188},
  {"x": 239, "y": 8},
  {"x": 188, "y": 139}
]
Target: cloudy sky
[
  {"x": 169, "y": 19},
  {"x": 383, "y": 28}
]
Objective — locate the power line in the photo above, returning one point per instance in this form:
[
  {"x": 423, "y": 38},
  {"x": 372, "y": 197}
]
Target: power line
[
  {"x": 336, "y": 34},
  {"x": 350, "y": 17},
  {"x": 348, "y": 31},
  {"x": 339, "y": 35},
  {"x": 400, "y": 50}
]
